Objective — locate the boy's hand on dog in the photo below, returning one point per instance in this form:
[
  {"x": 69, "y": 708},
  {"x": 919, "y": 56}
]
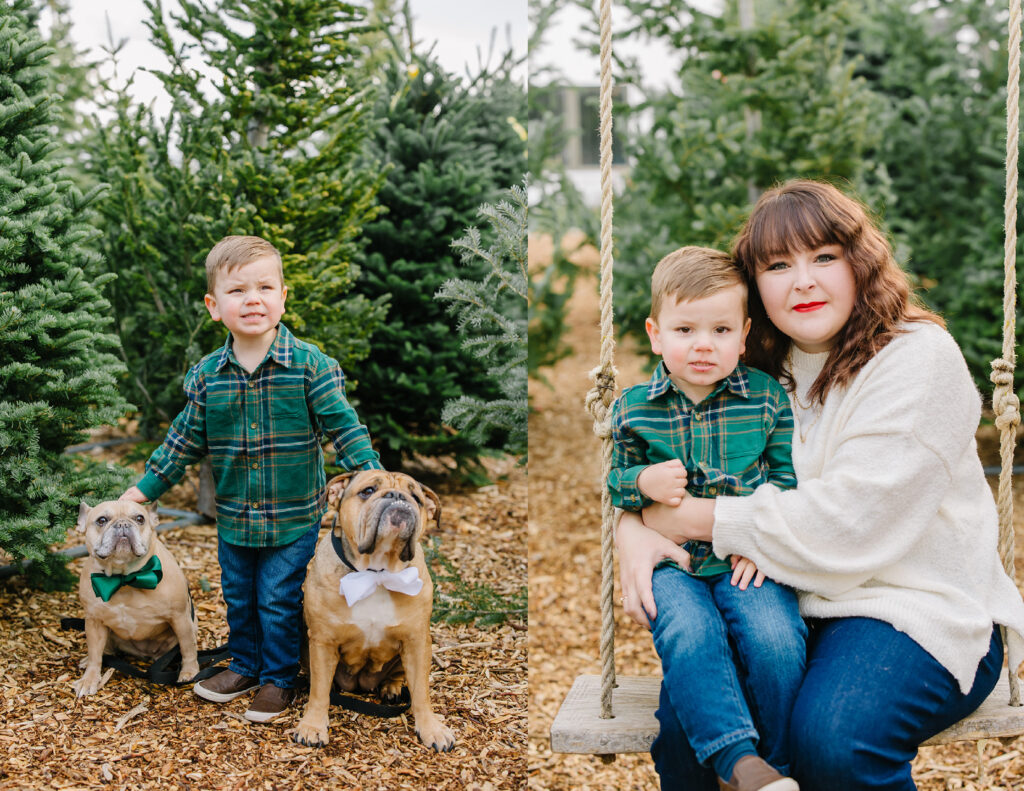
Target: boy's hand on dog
[
  {"x": 664, "y": 482},
  {"x": 134, "y": 494}
]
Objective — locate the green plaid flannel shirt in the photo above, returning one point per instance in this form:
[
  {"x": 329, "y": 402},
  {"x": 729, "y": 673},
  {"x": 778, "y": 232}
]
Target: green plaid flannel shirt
[
  {"x": 262, "y": 431},
  {"x": 737, "y": 438}
]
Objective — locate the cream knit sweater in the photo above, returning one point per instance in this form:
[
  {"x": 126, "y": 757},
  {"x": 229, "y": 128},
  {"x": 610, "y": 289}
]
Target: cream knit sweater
[{"x": 892, "y": 517}]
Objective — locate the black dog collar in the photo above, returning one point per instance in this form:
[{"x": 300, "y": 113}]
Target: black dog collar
[{"x": 339, "y": 549}]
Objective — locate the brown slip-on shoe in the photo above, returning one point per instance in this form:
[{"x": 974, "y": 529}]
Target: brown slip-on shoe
[
  {"x": 269, "y": 702},
  {"x": 226, "y": 685},
  {"x": 755, "y": 774}
]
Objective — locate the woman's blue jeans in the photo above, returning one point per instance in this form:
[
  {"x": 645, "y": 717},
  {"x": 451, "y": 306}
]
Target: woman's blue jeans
[
  {"x": 732, "y": 662},
  {"x": 870, "y": 697},
  {"x": 262, "y": 588}
]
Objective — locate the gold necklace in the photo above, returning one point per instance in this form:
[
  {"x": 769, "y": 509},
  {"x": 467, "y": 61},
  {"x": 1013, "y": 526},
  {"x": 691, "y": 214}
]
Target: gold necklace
[
  {"x": 805, "y": 408},
  {"x": 799, "y": 403}
]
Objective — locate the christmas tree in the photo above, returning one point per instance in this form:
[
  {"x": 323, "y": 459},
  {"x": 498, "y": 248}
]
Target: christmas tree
[
  {"x": 491, "y": 316},
  {"x": 451, "y": 144},
  {"x": 58, "y": 363},
  {"x": 263, "y": 140}
]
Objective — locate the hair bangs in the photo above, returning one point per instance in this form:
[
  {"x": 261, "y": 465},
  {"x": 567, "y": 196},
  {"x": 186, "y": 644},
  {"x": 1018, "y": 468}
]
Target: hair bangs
[{"x": 786, "y": 225}]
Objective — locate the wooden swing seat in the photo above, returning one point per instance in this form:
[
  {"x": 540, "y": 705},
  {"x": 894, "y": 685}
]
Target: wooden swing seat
[{"x": 578, "y": 727}]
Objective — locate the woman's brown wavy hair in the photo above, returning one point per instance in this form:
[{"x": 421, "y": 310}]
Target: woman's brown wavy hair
[{"x": 804, "y": 215}]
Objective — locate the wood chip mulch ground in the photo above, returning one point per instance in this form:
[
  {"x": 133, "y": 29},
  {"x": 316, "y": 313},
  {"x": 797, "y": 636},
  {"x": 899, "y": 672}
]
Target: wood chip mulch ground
[
  {"x": 136, "y": 735},
  {"x": 565, "y": 571}
]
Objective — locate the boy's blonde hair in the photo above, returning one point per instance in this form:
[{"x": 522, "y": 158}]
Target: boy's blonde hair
[
  {"x": 694, "y": 273},
  {"x": 233, "y": 251}
]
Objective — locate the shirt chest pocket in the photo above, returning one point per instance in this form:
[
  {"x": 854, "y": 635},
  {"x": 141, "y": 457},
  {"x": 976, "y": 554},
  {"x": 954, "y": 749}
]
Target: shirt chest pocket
[
  {"x": 740, "y": 451},
  {"x": 290, "y": 416},
  {"x": 224, "y": 415}
]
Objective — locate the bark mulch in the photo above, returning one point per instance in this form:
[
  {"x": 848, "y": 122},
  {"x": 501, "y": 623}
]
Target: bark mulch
[
  {"x": 565, "y": 571},
  {"x": 138, "y": 735}
]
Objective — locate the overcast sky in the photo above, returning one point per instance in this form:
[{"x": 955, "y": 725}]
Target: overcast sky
[
  {"x": 658, "y": 63},
  {"x": 459, "y": 27}
]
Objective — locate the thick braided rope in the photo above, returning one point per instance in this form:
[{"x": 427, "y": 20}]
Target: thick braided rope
[
  {"x": 601, "y": 396},
  {"x": 1004, "y": 400}
]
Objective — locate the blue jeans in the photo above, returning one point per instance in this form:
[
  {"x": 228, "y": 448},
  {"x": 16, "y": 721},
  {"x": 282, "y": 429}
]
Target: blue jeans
[
  {"x": 732, "y": 662},
  {"x": 263, "y": 591},
  {"x": 870, "y": 697}
]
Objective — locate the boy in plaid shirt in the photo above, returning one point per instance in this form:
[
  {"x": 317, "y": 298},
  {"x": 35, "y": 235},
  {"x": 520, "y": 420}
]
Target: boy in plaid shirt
[
  {"x": 258, "y": 406},
  {"x": 705, "y": 424}
]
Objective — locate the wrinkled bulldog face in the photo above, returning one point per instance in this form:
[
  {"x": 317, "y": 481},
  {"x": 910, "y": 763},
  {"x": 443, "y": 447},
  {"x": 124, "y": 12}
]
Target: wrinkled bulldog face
[
  {"x": 391, "y": 507},
  {"x": 117, "y": 530}
]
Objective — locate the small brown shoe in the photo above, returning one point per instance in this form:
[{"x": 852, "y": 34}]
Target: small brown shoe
[
  {"x": 269, "y": 702},
  {"x": 754, "y": 774},
  {"x": 226, "y": 685}
]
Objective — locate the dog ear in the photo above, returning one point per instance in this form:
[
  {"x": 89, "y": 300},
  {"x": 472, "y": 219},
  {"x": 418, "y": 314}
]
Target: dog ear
[
  {"x": 337, "y": 485},
  {"x": 433, "y": 505},
  {"x": 151, "y": 513},
  {"x": 83, "y": 513},
  {"x": 329, "y": 519}
]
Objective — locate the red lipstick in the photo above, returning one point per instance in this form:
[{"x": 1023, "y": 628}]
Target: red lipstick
[{"x": 807, "y": 307}]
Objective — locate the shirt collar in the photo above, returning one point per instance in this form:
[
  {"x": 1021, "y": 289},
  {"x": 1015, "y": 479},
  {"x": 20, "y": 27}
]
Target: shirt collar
[
  {"x": 280, "y": 350},
  {"x": 738, "y": 383}
]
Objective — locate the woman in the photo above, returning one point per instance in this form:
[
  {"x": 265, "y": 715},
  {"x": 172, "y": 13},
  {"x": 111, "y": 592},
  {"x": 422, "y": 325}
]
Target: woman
[{"x": 890, "y": 537}]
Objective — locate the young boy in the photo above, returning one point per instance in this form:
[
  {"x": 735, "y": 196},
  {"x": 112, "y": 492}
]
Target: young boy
[
  {"x": 259, "y": 406},
  {"x": 706, "y": 425}
]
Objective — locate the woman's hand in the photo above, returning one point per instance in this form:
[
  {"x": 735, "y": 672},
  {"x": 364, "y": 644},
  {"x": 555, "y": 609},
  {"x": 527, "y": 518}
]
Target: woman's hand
[
  {"x": 640, "y": 550},
  {"x": 691, "y": 520}
]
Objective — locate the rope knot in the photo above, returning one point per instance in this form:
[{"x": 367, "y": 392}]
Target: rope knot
[
  {"x": 1005, "y": 402},
  {"x": 603, "y": 428},
  {"x": 601, "y": 395}
]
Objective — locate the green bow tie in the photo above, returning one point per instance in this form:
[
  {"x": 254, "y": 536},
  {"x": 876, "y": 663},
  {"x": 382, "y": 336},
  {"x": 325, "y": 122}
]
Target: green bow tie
[{"x": 146, "y": 577}]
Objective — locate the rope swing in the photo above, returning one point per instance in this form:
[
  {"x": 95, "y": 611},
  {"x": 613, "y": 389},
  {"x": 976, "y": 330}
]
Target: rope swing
[
  {"x": 1005, "y": 403},
  {"x": 599, "y": 399},
  {"x": 602, "y": 395}
]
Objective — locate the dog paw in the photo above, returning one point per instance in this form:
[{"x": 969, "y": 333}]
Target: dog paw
[
  {"x": 310, "y": 735},
  {"x": 391, "y": 692},
  {"x": 437, "y": 736},
  {"x": 188, "y": 672},
  {"x": 89, "y": 684}
]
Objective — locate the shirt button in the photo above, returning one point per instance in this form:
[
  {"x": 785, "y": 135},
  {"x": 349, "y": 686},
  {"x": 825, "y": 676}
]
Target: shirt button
[
  {"x": 252, "y": 425},
  {"x": 696, "y": 415},
  {"x": 255, "y": 506},
  {"x": 252, "y": 384},
  {"x": 711, "y": 489},
  {"x": 255, "y": 465}
]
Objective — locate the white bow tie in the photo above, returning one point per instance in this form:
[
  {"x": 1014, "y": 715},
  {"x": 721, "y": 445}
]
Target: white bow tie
[{"x": 357, "y": 585}]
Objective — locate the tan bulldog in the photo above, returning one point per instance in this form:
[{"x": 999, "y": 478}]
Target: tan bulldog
[
  {"x": 148, "y": 610},
  {"x": 368, "y": 598}
]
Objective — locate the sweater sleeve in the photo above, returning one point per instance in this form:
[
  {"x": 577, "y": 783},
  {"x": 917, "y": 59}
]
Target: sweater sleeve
[{"x": 902, "y": 425}]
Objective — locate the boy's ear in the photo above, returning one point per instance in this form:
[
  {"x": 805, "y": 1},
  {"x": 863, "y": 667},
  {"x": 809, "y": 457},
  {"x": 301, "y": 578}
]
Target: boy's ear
[
  {"x": 654, "y": 334},
  {"x": 211, "y": 305},
  {"x": 284, "y": 293}
]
